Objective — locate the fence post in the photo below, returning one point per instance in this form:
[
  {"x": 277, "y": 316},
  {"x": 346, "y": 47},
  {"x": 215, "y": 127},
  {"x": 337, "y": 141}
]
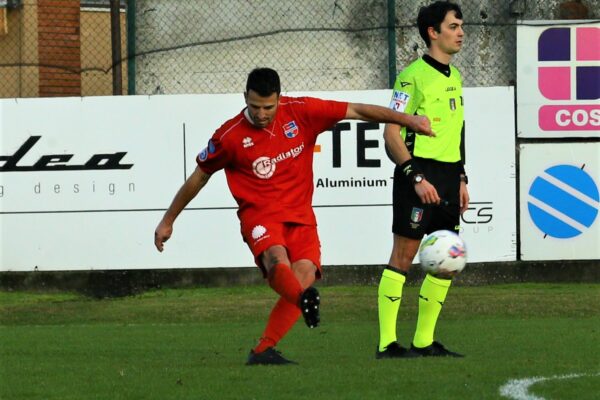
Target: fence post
[
  {"x": 391, "y": 27},
  {"x": 115, "y": 30},
  {"x": 131, "y": 7}
]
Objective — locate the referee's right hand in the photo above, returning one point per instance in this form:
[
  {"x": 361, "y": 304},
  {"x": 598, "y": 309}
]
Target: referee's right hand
[{"x": 427, "y": 192}]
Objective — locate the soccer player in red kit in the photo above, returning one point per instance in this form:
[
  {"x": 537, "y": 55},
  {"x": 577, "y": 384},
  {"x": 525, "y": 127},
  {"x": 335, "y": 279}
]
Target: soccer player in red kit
[{"x": 267, "y": 154}]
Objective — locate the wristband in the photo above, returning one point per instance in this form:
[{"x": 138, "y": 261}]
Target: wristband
[
  {"x": 410, "y": 171},
  {"x": 464, "y": 178}
]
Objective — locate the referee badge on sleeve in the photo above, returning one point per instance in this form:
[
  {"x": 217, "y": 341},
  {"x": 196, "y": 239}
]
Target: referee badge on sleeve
[{"x": 399, "y": 101}]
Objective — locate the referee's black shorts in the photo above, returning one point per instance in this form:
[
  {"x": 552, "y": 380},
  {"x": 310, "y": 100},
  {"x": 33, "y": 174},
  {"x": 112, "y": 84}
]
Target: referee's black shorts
[{"x": 412, "y": 218}]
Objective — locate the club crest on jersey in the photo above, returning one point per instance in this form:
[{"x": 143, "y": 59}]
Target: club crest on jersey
[{"x": 290, "y": 130}]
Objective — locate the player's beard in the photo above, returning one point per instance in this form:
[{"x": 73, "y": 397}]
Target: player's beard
[{"x": 261, "y": 123}]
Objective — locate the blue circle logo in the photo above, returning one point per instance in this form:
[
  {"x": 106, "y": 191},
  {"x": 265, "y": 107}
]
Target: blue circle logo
[{"x": 563, "y": 201}]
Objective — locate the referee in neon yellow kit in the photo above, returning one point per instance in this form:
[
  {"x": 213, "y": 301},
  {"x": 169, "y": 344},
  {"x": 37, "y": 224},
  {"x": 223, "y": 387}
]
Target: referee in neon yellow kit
[{"x": 430, "y": 184}]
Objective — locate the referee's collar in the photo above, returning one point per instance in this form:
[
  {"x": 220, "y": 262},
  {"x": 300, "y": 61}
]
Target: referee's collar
[{"x": 443, "y": 68}]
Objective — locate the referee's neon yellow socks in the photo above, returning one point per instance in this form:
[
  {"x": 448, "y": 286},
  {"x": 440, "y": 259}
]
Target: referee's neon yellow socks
[
  {"x": 431, "y": 299},
  {"x": 388, "y": 302}
]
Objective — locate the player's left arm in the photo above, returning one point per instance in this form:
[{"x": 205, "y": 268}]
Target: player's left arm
[
  {"x": 190, "y": 188},
  {"x": 374, "y": 113}
]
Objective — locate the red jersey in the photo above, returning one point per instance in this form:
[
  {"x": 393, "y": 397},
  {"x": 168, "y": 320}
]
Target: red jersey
[{"x": 269, "y": 170}]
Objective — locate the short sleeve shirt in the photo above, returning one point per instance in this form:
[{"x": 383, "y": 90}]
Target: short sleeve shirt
[
  {"x": 421, "y": 89},
  {"x": 269, "y": 170}
]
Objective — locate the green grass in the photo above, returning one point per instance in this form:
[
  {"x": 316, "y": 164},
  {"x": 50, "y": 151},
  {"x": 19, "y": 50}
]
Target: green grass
[{"x": 192, "y": 344}]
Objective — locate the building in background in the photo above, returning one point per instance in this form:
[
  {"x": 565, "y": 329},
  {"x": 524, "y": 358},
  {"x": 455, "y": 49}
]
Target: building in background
[{"x": 50, "y": 48}]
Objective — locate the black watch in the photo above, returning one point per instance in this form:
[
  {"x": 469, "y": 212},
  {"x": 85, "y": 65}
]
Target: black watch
[
  {"x": 418, "y": 178},
  {"x": 465, "y": 179}
]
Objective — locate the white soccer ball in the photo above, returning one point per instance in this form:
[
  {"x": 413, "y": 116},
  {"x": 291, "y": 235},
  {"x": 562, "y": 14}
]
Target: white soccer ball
[{"x": 443, "y": 252}]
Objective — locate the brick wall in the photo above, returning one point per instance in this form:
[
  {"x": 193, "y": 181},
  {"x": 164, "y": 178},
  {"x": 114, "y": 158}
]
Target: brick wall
[
  {"x": 3, "y": 21},
  {"x": 59, "y": 47}
]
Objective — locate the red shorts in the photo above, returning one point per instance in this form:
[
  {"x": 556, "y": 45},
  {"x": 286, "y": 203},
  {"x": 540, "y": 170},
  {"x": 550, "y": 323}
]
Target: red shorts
[{"x": 301, "y": 241}]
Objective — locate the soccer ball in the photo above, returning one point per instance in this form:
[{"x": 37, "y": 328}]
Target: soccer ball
[{"x": 443, "y": 252}]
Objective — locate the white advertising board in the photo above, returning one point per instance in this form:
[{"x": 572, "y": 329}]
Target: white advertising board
[
  {"x": 559, "y": 185},
  {"x": 84, "y": 181},
  {"x": 558, "y": 79}
]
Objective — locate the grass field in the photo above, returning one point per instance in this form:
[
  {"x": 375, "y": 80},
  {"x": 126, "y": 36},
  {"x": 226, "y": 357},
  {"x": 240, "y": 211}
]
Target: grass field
[{"x": 192, "y": 344}]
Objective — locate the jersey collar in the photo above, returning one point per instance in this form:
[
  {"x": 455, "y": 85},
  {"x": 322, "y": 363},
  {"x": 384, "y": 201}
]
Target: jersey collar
[
  {"x": 442, "y": 68},
  {"x": 247, "y": 115},
  {"x": 266, "y": 129}
]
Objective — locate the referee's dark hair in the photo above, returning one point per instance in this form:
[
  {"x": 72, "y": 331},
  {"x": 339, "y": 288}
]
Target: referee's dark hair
[
  {"x": 433, "y": 15},
  {"x": 264, "y": 81}
]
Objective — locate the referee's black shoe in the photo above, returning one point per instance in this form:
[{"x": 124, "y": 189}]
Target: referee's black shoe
[
  {"x": 268, "y": 357},
  {"x": 394, "y": 350},
  {"x": 309, "y": 304},
  {"x": 435, "y": 349}
]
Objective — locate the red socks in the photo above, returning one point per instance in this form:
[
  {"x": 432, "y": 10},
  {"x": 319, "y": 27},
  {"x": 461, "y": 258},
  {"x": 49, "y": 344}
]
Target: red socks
[
  {"x": 286, "y": 312},
  {"x": 284, "y": 282},
  {"x": 283, "y": 317}
]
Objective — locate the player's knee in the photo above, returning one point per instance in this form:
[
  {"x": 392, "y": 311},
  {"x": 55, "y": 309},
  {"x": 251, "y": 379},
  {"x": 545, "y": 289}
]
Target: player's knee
[
  {"x": 305, "y": 272},
  {"x": 401, "y": 260},
  {"x": 273, "y": 256},
  {"x": 403, "y": 252}
]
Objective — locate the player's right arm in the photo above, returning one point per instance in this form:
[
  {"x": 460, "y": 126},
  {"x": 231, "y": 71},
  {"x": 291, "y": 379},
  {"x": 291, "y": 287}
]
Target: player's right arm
[{"x": 191, "y": 187}]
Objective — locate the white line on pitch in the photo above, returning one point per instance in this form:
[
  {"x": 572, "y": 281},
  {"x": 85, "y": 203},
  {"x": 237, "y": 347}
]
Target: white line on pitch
[{"x": 518, "y": 389}]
